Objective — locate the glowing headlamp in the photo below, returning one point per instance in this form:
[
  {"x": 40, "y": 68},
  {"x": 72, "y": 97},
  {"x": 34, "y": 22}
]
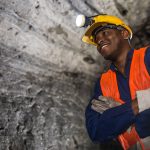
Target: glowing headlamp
[{"x": 83, "y": 21}]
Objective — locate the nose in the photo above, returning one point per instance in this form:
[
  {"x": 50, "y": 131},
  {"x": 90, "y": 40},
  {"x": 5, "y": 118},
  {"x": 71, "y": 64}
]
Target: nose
[
  {"x": 100, "y": 43},
  {"x": 100, "y": 39}
]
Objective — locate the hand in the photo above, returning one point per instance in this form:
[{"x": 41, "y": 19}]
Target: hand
[
  {"x": 135, "y": 106},
  {"x": 99, "y": 106},
  {"x": 103, "y": 103}
]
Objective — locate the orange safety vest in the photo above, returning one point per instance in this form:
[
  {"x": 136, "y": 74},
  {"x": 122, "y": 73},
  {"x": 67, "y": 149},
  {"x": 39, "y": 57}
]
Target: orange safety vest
[{"x": 139, "y": 79}]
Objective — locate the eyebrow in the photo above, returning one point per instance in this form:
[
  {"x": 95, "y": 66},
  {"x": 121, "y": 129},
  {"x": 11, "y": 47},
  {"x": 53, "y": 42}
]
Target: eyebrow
[{"x": 99, "y": 32}]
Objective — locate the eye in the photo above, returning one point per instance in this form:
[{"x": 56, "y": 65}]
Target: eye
[{"x": 105, "y": 32}]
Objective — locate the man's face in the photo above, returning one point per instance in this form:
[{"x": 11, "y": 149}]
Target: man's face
[{"x": 109, "y": 42}]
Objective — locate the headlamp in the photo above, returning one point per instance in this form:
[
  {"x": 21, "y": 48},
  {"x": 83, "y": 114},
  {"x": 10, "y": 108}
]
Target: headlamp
[{"x": 83, "y": 21}]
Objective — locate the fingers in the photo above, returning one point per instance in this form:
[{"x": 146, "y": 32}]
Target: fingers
[
  {"x": 99, "y": 103},
  {"x": 103, "y": 103},
  {"x": 99, "y": 109},
  {"x": 103, "y": 98},
  {"x": 109, "y": 100},
  {"x": 114, "y": 103},
  {"x": 99, "y": 106}
]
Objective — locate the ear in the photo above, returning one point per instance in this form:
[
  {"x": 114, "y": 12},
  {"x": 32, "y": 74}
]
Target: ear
[{"x": 125, "y": 34}]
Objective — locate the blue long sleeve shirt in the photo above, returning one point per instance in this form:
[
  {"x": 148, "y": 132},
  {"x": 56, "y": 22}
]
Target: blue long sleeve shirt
[{"x": 112, "y": 122}]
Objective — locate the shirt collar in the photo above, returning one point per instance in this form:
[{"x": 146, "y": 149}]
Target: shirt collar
[{"x": 128, "y": 59}]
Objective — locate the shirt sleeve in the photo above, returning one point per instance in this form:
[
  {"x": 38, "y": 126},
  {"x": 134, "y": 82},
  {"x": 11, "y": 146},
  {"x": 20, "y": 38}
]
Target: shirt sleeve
[
  {"x": 112, "y": 122},
  {"x": 142, "y": 123}
]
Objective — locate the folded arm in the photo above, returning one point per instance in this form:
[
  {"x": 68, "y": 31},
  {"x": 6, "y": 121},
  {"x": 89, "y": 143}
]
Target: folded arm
[{"x": 107, "y": 125}]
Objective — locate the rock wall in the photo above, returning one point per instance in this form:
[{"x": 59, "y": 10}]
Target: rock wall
[
  {"x": 47, "y": 74},
  {"x": 41, "y": 108}
]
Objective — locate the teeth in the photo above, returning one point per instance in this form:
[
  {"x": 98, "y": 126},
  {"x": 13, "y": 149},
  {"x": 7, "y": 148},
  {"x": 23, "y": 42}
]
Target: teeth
[{"x": 104, "y": 46}]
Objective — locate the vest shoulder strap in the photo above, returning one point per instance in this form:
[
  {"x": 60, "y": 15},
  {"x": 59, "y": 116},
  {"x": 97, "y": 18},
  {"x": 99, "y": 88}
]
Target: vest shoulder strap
[
  {"x": 139, "y": 76},
  {"x": 109, "y": 86}
]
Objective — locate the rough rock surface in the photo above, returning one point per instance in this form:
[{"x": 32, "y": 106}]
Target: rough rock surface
[{"x": 47, "y": 73}]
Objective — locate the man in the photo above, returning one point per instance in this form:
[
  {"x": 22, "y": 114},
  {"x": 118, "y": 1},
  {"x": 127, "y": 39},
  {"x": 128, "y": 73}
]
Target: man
[{"x": 113, "y": 112}]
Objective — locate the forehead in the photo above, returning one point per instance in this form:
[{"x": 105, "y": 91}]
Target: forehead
[{"x": 105, "y": 29}]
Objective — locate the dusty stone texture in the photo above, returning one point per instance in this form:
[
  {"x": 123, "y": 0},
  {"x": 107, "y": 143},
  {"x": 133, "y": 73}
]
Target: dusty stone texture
[
  {"x": 40, "y": 109},
  {"x": 47, "y": 73}
]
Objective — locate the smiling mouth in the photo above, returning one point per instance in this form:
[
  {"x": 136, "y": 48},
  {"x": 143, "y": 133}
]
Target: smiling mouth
[{"x": 103, "y": 46}]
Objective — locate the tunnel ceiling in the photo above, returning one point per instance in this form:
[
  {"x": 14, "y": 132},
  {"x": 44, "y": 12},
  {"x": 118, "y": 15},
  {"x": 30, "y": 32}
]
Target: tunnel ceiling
[{"x": 46, "y": 29}]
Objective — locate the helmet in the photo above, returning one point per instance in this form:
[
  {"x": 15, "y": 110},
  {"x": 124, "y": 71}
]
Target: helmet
[{"x": 102, "y": 20}]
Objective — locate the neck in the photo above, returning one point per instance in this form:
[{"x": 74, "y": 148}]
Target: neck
[{"x": 120, "y": 62}]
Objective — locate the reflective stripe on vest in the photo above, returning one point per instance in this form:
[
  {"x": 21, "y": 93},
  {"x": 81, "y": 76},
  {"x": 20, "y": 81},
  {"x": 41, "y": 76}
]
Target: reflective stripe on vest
[{"x": 139, "y": 79}]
